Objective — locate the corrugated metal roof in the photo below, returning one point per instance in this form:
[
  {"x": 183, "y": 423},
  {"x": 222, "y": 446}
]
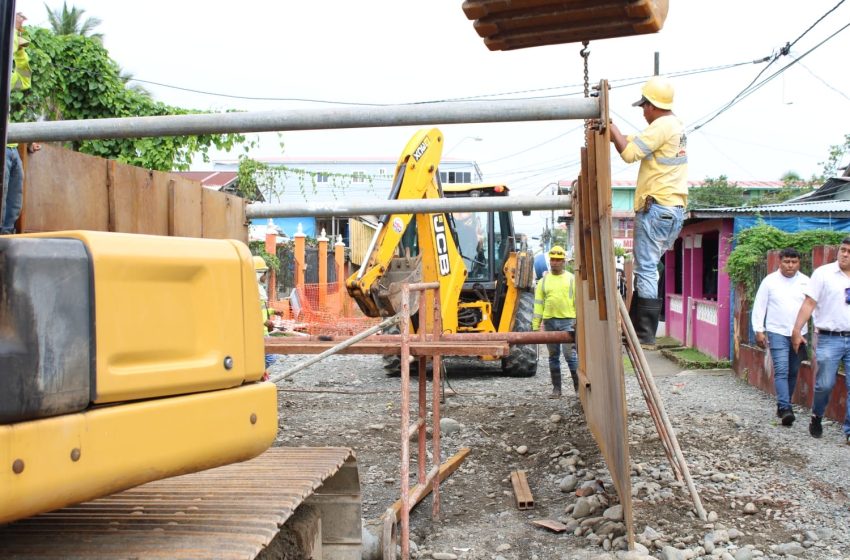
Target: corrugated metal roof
[
  {"x": 832, "y": 198},
  {"x": 744, "y": 184},
  {"x": 838, "y": 208}
]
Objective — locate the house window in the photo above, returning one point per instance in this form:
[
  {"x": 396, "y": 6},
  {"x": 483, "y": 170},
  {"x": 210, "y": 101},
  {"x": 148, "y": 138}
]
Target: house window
[
  {"x": 321, "y": 177},
  {"x": 456, "y": 177},
  {"x": 358, "y": 177}
]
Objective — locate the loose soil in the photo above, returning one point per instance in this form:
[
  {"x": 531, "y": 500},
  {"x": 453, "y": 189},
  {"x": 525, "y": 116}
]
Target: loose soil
[{"x": 737, "y": 452}]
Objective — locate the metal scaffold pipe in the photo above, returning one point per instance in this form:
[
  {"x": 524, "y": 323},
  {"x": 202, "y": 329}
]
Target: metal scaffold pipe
[
  {"x": 420, "y": 206},
  {"x": 308, "y": 119}
]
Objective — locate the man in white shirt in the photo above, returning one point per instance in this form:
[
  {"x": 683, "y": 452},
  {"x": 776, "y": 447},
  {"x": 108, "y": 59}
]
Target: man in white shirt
[
  {"x": 778, "y": 299},
  {"x": 828, "y": 297}
]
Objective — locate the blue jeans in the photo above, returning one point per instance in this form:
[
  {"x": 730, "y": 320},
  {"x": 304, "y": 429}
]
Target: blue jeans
[
  {"x": 655, "y": 233},
  {"x": 270, "y": 359},
  {"x": 13, "y": 190},
  {"x": 568, "y": 349},
  {"x": 786, "y": 364},
  {"x": 831, "y": 351}
]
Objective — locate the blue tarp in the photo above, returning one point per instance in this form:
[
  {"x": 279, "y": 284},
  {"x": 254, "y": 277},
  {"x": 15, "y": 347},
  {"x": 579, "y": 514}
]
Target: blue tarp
[
  {"x": 289, "y": 226},
  {"x": 793, "y": 224}
]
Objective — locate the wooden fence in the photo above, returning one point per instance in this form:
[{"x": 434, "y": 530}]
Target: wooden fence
[{"x": 66, "y": 190}]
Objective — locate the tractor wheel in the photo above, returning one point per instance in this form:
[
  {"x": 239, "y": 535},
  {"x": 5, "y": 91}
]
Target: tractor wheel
[{"x": 522, "y": 361}]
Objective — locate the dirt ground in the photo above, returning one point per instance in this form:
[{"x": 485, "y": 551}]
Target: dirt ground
[{"x": 772, "y": 491}]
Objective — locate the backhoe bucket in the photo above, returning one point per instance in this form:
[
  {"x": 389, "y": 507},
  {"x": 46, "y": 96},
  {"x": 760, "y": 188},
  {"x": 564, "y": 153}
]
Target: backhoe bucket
[{"x": 403, "y": 270}]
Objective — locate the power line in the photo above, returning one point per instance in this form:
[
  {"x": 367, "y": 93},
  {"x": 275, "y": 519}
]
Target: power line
[
  {"x": 750, "y": 89},
  {"x": 820, "y": 19},
  {"x": 502, "y": 158},
  {"x": 821, "y": 80}
]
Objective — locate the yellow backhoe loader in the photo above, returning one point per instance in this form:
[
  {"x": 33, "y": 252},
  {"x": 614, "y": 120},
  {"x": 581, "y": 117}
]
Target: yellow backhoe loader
[{"x": 485, "y": 272}]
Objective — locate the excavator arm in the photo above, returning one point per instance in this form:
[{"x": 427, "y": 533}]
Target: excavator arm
[{"x": 412, "y": 248}]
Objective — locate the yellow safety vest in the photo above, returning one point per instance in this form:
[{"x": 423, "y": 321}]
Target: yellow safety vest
[{"x": 554, "y": 298}]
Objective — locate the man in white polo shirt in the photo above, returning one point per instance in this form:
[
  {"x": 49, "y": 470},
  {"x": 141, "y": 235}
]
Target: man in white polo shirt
[
  {"x": 828, "y": 296},
  {"x": 778, "y": 299}
]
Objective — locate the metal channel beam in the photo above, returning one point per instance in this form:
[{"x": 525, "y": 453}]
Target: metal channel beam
[
  {"x": 308, "y": 119},
  {"x": 419, "y": 206}
]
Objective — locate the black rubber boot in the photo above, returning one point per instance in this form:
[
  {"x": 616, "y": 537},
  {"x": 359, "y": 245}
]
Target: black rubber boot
[
  {"x": 644, "y": 314},
  {"x": 556, "y": 384},
  {"x": 574, "y": 375}
]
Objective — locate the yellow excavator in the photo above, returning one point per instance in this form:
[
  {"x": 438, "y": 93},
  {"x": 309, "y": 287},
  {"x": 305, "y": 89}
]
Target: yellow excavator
[
  {"x": 121, "y": 363},
  {"x": 484, "y": 270}
]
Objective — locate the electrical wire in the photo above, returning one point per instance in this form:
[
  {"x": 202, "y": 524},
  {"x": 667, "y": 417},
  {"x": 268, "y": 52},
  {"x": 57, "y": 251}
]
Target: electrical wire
[
  {"x": 812, "y": 26},
  {"x": 751, "y": 88},
  {"x": 559, "y": 136},
  {"x": 615, "y": 84},
  {"x": 821, "y": 80}
]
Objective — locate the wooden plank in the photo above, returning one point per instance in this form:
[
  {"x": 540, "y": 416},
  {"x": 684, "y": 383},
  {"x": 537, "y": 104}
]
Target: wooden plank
[
  {"x": 185, "y": 208},
  {"x": 551, "y": 524},
  {"x": 595, "y": 225},
  {"x": 522, "y": 493},
  {"x": 64, "y": 190},
  {"x": 140, "y": 199},
  {"x": 301, "y": 346},
  {"x": 223, "y": 216}
]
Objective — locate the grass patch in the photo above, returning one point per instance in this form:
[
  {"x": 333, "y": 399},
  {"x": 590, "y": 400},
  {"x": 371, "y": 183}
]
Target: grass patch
[
  {"x": 667, "y": 342},
  {"x": 690, "y": 358},
  {"x": 627, "y": 365}
]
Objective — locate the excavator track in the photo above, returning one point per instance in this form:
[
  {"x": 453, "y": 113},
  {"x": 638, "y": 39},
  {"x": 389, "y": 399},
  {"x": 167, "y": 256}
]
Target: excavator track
[{"x": 230, "y": 512}]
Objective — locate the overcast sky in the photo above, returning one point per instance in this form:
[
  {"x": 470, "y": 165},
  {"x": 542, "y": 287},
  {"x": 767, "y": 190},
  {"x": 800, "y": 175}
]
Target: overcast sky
[{"x": 400, "y": 51}]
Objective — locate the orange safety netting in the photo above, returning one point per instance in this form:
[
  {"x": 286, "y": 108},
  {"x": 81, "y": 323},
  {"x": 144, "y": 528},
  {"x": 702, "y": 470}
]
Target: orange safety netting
[{"x": 323, "y": 309}]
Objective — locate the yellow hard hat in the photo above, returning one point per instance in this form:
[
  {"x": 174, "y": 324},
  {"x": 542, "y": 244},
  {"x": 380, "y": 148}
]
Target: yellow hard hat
[
  {"x": 260, "y": 264},
  {"x": 557, "y": 252},
  {"x": 658, "y": 91}
]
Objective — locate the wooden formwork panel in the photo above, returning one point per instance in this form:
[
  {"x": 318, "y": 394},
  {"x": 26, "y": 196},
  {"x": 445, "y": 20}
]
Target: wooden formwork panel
[
  {"x": 602, "y": 378},
  {"x": 223, "y": 216},
  {"x": 64, "y": 190},
  {"x": 185, "y": 208},
  {"x": 138, "y": 199}
]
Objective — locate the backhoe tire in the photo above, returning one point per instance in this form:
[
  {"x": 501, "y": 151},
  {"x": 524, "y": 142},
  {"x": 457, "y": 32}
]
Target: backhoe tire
[
  {"x": 392, "y": 362},
  {"x": 522, "y": 361}
]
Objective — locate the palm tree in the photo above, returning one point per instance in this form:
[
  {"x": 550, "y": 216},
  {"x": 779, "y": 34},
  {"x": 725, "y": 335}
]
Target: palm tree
[
  {"x": 127, "y": 77},
  {"x": 70, "y": 22}
]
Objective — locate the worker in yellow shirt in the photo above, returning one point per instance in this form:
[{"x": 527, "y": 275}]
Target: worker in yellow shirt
[
  {"x": 555, "y": 310},
  {"x": 660, "y": 197}
]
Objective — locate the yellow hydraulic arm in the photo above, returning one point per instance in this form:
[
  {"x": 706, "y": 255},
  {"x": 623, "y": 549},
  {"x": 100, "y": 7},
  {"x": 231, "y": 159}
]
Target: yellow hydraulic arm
[{"x": 376, "y": 284}]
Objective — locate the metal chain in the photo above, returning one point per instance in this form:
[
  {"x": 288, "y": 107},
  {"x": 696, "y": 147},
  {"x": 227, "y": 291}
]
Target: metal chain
[{"x": 585, "y": 54}]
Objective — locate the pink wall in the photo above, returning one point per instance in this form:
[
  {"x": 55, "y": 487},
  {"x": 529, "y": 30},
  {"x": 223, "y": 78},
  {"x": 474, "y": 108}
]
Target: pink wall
[{"x": 702, "y": 324}]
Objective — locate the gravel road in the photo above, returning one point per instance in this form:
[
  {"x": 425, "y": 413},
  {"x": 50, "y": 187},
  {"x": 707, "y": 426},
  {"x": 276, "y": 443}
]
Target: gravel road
[{"x": 772, "y": 491}]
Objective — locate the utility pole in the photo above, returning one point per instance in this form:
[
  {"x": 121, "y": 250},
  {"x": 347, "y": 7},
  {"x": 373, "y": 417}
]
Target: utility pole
[{"x": 657, "y": 69}]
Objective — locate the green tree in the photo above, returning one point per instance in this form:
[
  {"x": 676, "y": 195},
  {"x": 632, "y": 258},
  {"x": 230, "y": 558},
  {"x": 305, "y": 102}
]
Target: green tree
[
  {"x": 71, "y": 22},
  {"x": 715, "y": 193},
  {"x": 792, "y": 186},
  {"x": 74, "y": 78},
  {"x": 833, "y": 162}
]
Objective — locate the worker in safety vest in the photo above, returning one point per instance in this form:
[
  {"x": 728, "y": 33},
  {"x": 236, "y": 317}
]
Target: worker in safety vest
[
  {"x": 555, "y": 309},
  {"x": 262, "y": 270},
  {"x": 660, "y": 197}
]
